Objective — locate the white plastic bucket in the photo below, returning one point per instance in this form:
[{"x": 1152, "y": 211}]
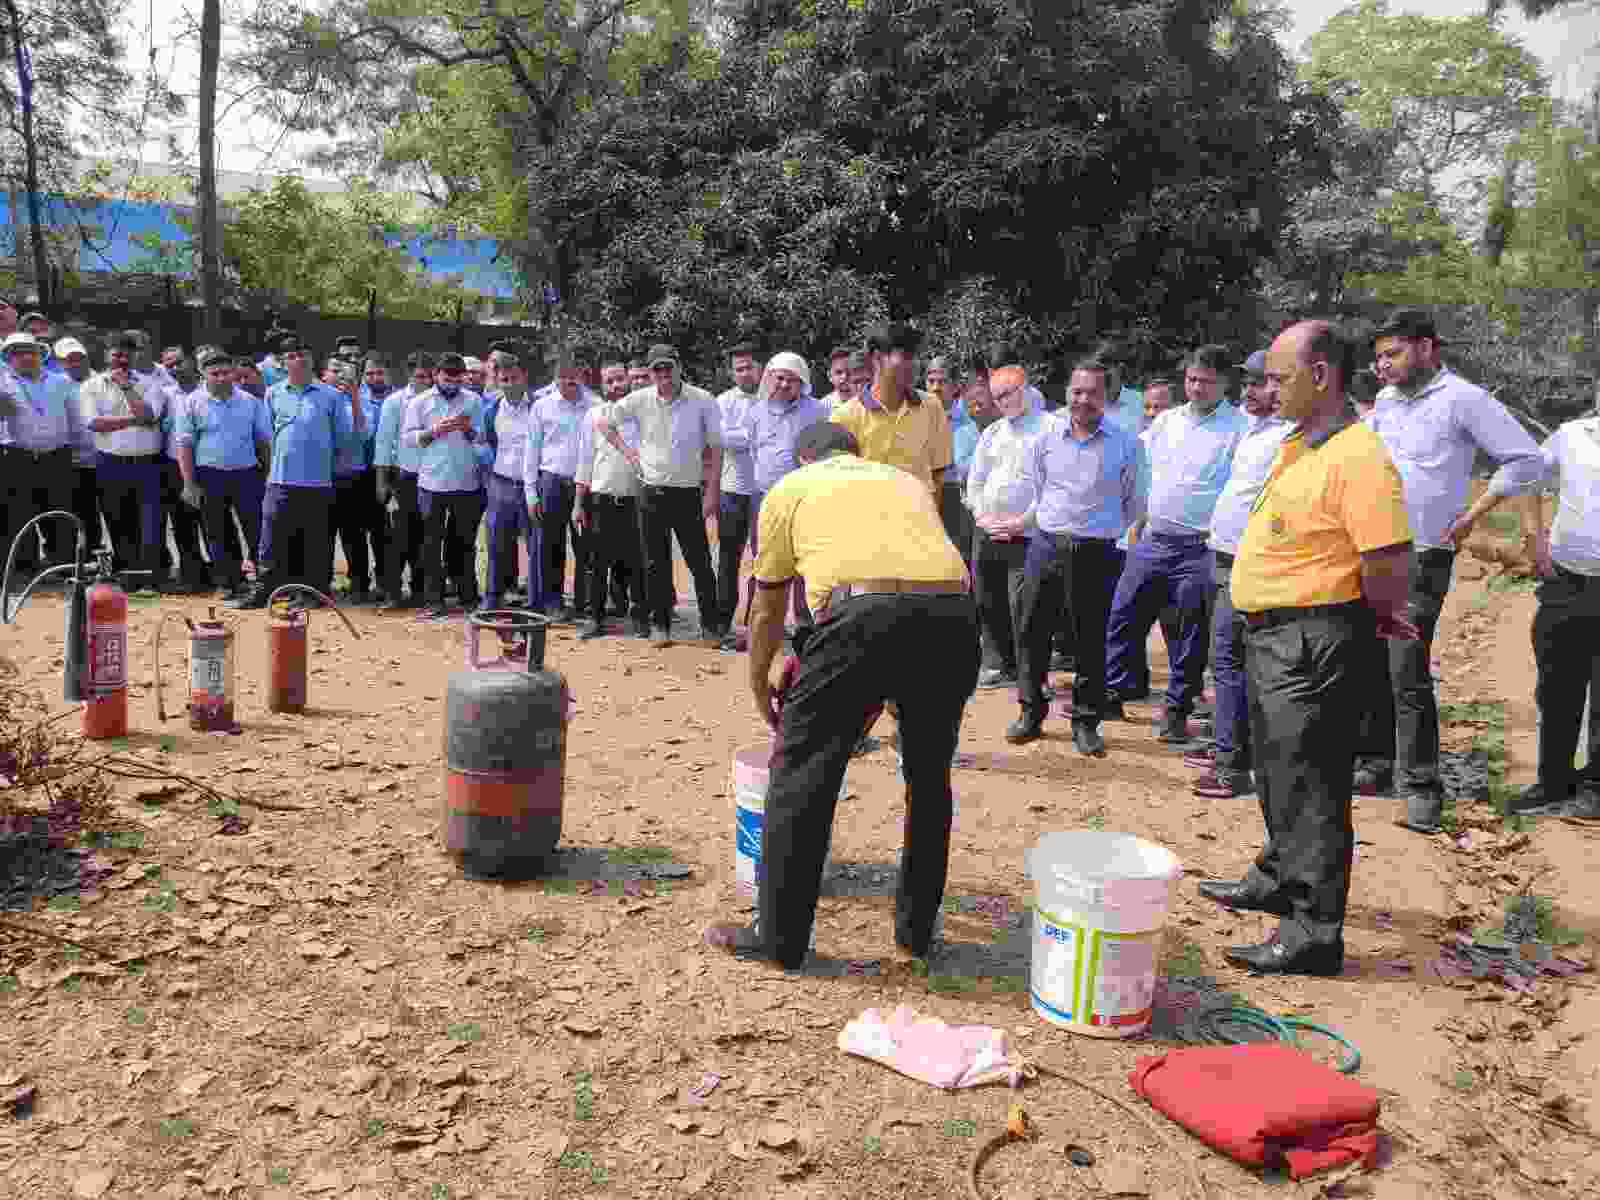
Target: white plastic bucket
[
  {"x": 1100, "y": 900},
  {"x": 751, "y": 768}
]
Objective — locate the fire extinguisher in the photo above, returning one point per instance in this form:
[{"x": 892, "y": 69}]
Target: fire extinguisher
[
  {"x": 287, "y": 646},
  {"x": 211, "y": 675},
  {"x": 94, "y": 649}
]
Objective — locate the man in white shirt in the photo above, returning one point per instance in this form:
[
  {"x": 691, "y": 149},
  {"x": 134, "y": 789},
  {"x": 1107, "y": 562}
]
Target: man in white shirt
[
  {"x": 124, "y": 416},
  {"x": 39, "y": 428},
  {"x": 550, "y": 466},
  {"x": 738, "y": 480},
  {"x": 607, "y": 510},
  {"x": 1566, "y": 625}
]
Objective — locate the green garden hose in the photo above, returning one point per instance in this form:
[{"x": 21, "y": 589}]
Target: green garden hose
[{"x": 1209, "y": 1024}]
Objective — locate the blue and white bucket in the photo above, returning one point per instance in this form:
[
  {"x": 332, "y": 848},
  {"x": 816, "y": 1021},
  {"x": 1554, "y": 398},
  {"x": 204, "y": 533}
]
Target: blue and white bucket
[{"x": 751, "y": 770}]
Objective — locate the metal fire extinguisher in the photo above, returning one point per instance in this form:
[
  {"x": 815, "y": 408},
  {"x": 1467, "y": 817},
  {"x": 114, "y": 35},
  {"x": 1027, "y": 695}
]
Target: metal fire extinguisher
[
  {"x": 211, "y": 675},
  {"x": 287, "y": 645},
  {"x": 94, "y": 649}
]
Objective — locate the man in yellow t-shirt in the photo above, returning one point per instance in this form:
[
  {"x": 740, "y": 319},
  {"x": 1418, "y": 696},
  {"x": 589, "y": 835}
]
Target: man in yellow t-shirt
[
  {"x": 892, "y": 422},
  {"x": 1322, "y": 569},
  {"x": 895, "y": 621}
]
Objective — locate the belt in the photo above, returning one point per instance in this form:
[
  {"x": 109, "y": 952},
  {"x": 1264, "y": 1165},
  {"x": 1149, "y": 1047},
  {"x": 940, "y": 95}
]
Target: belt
[
  {"x": 35, "y": 455},
  {"x": 1270, "y": 617},
  {"x": 893, "y": 587},
  {"x": 1073, "y": 539},
  {"x": 144, "y": 459}
]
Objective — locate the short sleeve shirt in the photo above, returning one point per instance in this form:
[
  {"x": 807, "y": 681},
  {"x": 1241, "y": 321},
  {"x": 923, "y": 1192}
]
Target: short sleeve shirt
[
  {"x": 1322, "y": 507},
  {"x": 915, "y": 437}
]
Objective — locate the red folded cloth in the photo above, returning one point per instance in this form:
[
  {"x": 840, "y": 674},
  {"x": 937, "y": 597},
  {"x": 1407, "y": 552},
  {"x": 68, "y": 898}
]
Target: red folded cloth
[{"x": 1264, "y": 1103}]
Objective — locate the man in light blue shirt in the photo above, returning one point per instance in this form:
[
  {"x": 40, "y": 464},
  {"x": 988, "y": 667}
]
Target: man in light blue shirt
[
  {"x": 223, "y": 435},
  {"x": 734, "y": 518},
  {"x": 40, "y": 431},
  {"x": 1084, "y": 476},
  {"x": 310, "y": 423},
  {"x": 357, "y": 519},
  {"x": 1434, "y": 423},
  {"x": 445, "y": 424},
  {"x": 1227, "y": 765},
  {"x": 549, "y": 473},
  {"x": 507, "y": 416},
  {"x": 1191, "y": 452},
  {"x": 395, "y": 465},
  {"x": 1000, "y": 495}
]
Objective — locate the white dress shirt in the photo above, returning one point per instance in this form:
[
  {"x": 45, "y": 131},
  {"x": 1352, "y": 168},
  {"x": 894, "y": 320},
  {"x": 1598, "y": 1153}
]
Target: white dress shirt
[
  {"x": 1252, "y": 463},
  {"x": 100, "y": 396}
]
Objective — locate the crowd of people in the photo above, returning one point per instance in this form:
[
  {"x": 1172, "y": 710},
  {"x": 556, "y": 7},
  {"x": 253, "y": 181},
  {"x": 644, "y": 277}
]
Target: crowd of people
[{"x": 1291, "y": 520}]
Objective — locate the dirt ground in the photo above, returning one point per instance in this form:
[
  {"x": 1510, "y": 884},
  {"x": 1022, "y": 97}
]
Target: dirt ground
[{"x": 322, "y": 1006}]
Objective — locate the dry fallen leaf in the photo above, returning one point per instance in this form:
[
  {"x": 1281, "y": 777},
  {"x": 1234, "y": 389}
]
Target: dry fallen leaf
[
  {"x": 194, "y": 1084},
  {"x": 682, "y": 1122},
  {"x": 776, "y": 1135},
  {"x": 582, "y": 1026},
  {"x": 91, "y": 1185}
]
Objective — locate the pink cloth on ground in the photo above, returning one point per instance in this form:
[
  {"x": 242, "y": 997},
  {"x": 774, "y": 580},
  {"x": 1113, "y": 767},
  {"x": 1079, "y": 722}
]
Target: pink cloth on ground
[{"x": 925, "y": 1048}]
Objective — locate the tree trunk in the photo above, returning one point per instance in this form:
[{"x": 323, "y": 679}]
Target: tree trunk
[
  {"x": 41, "y": 265},
  {"x": 210, "y": 249}
]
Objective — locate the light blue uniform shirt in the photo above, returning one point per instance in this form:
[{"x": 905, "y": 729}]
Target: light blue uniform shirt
[
  {"x": 1087, "y": 487},
  {"x": 765, "y": 435},
  {"x": 47, "y": 416},
  {"x": 738, "y": 469},
  {"x": 554, "y": 428},
  {"x": 223, "y": 433},
  {"x": 358, "y": 456},
  {"x": 1191, "y": 457},
  {"x": 964, "y": 433},
  {"x": 450, "y": 463},
  {"x": 309, "y": 425},
  {"x": 387, "y": 449},
  {"x": 508, "y": 425},
  {"x": 1128, "y": 411},
  {"x": 1252, "y": 463}
]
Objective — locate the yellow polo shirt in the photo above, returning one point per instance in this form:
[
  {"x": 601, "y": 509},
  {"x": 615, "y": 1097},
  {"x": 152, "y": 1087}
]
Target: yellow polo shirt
[
  {"x": 915, "y": 438},
  {"x": 1322, "y": 507},
  {"x": 844, "y": 520}
]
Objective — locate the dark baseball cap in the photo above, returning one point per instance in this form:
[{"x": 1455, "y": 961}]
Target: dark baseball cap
[
  {"x": 212, "y": 356},
  {"x": 661, "y": 353},
  {"x": 1412, "y": 324},
  {"x": 451, "y": 361}
]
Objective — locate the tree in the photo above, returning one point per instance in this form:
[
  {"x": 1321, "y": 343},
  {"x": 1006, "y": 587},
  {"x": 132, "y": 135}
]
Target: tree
[
  {"x": 1453, "y": 92},
  {"x": 209, "y": 241}
]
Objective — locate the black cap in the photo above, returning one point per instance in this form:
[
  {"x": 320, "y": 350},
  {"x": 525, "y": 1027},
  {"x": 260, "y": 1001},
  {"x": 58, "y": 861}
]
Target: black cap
[
  {"x": 290, "y": 342},
  {"x": 212, "y": 356},
  {"x": 451, "y": 361},
  {"x": 661, "y": 353},
  {"x": 1413, "y": 324},
  {"x": 896, "y": 335}
]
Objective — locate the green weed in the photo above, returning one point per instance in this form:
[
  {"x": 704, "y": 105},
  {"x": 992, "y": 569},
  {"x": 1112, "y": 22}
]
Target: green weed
[
  {"x": 960, "y": 1128},
  {"x": 954, "y": 985},
  {"x": 278, "y": 1175},
  {"x": 65, "y": 904},
  {"x": 583, "y": 1097},
  {"x": 465, "y": 1031},
  {"x": 374, "y": 1127},
  {"x": 164, "y": 898},
  {"x": 1011, "y": 984},
  {"x": 439, "y": 1191},
  {"x": 560, "y": 887},
  {"x": 1186, "y": 962},
  {"x": 8, "y": 984},
  {"x": 1463, "y": 1080},
  {"x": 1548, "y": 927},
  {"x": 639, "y": 856},
  {"x": 537, "y": 933},
  {"x": 872, "y": 1145},
  {"x": 176, "y": 1127},
  {"x": 137, "y": 1016}
]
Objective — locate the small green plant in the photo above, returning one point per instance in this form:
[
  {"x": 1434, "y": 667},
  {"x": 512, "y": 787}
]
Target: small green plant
[
  {"x": 1097, "y": 823},
  {"x": 465, "y": 1031},
  {"x": 1463, "y": 1080},
  {"x": 952, "y": 905},
  {"x": 8, "y": 984},
  {"x": 129, "y": 839},
  {"x": 953, "y": 985},
  {"x": 575, "y": 1160},
  {"x": 73, "y": 953},
  {"x": 1540, "y": 913},
  {"x": 72, "y": 984},
  {"x": 152, "y": 871},
  {"x": 176, "y": 1127},
  {"x": 960, "y": 1128},
  {"x": 1011, "y": 984},
  {"x": 223, "y": 806},
  {"x": 919, "y": 967},
  {"x": 374, "y": 1127},
  {"x": 560, "y": 887},
  {"x": 583, "y": 1098},
  {"x": 872, "y": 1144},
  {"x": 138, "y": 1016},
  {"x": 639, "y": 856},
  {"x": 164, "y": 898},
  {"x": 537, "y": 933},
  {"x": 278, "y": 1175},
  {"x": 167, "y": 744},
  {"x": 135, "y": 969},
  {"x": 1185, "y": 962},
  {"x": 65, "y": 904},
  {"x": 439, "y": 1191}
]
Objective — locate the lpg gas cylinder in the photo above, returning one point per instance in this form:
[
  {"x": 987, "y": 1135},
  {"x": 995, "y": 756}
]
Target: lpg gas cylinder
[{"x": 505, "y": 745}]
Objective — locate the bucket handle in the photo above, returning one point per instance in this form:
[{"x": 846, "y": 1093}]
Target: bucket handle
[
  {"x": 326, "y": 600},
  {"x": 503, "y": 621}
]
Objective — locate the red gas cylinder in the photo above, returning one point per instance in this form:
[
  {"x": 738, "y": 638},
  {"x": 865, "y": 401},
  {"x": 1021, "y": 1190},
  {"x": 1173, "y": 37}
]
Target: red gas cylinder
[{"x": 105, "y": 710}]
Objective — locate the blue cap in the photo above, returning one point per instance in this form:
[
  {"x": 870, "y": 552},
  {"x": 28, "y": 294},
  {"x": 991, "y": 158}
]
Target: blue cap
[{"x": 1256, "y": 364}]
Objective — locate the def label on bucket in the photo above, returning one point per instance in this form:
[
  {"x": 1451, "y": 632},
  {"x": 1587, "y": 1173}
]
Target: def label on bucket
[{"x": 1100, "y": 902}]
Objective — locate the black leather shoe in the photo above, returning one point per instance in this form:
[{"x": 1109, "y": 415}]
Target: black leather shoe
[
  {"x": 1233, "y": 895},
  {"x": 1087, "y": 740},
  {"x": 1173, "y": 730},
  {"x": 1274, "y": 958},
  {"x": 1423, "y": 810},
  {"x": 1532, "y": 799},
  {"x": 1025, "y": 729}
]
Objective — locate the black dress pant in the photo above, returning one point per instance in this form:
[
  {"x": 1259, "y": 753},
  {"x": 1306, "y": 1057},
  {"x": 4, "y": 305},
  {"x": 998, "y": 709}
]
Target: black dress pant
[
  {"x": 405, "y": 540},
  {"x": 1566, "y": 651},
  {"x": 665, "y": 513},
  {"x": 1402, "y": 723},
  {"x": 733, "y": 534},
  {"x": 464, "y": 510},
  {"x": 1081, "y": 574},
  {"x": 997, "y": 574},
  {"x": 187, "y": 529},
  {"x": 614, "y": 552},
  {"x": 864, "y": 652},
  {"x": 295, "y": 537},
  {"x": 86, "y": 505},
  {"x": 32, "y": 483},
  {"x": 1309, "y": 680},
  {"x": 358, "y": 520},
  {"x": 957, "y": 518}
]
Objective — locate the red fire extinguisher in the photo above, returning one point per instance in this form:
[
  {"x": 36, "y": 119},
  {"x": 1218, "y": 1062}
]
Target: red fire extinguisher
[
  {"x": 105, "y": 687},
  {"x": 287, "y": 646}
]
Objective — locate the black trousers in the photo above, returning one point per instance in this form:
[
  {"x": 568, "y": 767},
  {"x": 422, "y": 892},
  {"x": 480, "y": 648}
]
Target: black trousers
[
  {"x": 405, "y": 540},
  {"x": 1082, "y": 574},
  {"x": 31, "y": 484},
  {"x": 187, "y": 530},
  {"x": 733, "y": 534},
  {"x": 665, "y": 513},
  {"x": 1309, "y": 680},
  {"x": 86, "y": 504},
  {"x": 997, "y": 575},
  {"x": 1566, "y": 651},
  {"x": 295, "y": 537},
  {"x": 358, "y": 520},
  {"x": 614, "y": 553},
  {"x": 1402, "y": 724},
  {"x": 464, "y": 510},
  {"x": 864, "y": 652},
  {"x": 958, "y": 520}
]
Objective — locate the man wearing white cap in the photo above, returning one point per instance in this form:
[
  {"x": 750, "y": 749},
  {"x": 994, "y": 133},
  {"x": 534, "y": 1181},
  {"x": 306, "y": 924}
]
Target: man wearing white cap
[{"x": 39, "y": 431}]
